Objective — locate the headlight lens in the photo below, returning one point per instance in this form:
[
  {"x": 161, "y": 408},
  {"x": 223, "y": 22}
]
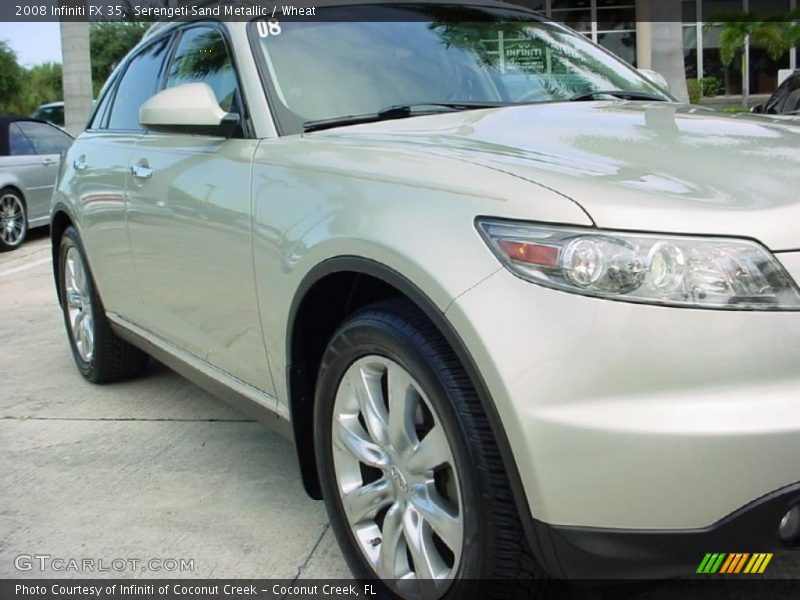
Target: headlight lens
[{"x": 722, "y": 273}]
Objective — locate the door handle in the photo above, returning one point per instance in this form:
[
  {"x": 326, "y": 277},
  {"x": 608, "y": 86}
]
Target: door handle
[
  {"x": 80, "y": 164},
  {"x": 141, "y": 172},
  {"x": 47, "y": 162}
]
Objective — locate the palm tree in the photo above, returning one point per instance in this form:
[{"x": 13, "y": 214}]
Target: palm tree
[{"x": 777, "y": 35}]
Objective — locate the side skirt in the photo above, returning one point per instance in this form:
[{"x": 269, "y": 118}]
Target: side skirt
[{"x": 253, "y": 402}]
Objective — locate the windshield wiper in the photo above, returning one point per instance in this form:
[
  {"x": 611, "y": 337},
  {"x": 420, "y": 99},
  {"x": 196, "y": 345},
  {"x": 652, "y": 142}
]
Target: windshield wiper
[
  {"x": 623, "y": 94},
  {"x": 399, "y": 111}
]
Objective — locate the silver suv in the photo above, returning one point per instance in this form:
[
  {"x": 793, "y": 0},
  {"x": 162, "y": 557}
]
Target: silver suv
[{"x": 522, "y": 313}]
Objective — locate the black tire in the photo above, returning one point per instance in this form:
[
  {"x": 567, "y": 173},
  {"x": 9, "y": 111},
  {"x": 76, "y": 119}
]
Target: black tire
[
  {"x": 113, "y": 359},
  {"x": 7, "y": 245},
  {"x": 495, "y": 560}
]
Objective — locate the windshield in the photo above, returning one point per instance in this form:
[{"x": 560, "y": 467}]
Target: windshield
[{"x": 424, "y": 55}]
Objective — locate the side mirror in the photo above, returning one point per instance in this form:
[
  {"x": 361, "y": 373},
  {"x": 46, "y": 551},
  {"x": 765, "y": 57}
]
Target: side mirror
[
  {"x": 189, "y": 108},
  {"x": 758, "y": 109},
  {"x": 655, "y": 77}
]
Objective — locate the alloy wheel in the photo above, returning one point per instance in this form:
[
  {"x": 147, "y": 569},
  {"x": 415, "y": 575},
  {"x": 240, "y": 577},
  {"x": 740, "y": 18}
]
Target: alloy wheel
[
  {"x": 79, "y": 304},
  {"x": 397, "y": 478},
  {"x": 12, "y": 219}
]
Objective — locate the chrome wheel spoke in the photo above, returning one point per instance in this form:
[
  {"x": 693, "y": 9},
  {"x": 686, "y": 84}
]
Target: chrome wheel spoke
[
  {"x": 74, "y": 298},
  {"x": 432, "y": 451},
  {"x": 77, "y": 325},
  {"x": 349, "y": 435},
  {"x": 446, "y": 525},
  {"x": 364, "y": 502},
  {"x": 423, "y": 552},
  {"x": 402, "y": 408},
  {"x": 367, "y": 387},
  {"x": 392, "y": 557},
  {"x": 88, "y": 334}
]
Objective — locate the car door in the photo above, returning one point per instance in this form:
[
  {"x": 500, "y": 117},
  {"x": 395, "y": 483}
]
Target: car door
[
  {"x": 48, "y": 143},
  {"x": 189, "y": 222},
  {"x": 28, "y": 171},
  {"x": 97, "y": 170}
]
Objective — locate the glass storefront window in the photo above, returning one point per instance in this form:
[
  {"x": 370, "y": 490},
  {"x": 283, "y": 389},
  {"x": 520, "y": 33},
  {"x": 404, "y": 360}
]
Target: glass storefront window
[
  {"x": 616, "y": 28},
  {"x": 764, "y": 69},
  {"x": 537, "y": 5},
  {"x": 621, "y": 43},
  {"x": 730, "y": 77}
]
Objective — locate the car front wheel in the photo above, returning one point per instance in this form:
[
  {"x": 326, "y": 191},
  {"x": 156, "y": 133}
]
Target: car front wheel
[{"x": 416, "y": 492}]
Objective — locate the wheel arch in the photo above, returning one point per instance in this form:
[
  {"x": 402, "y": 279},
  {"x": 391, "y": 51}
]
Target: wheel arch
[
  {"x": 60, "y": 220},
  {"x": 336, "y": 288},
  {"x": 14, "y": 185}
]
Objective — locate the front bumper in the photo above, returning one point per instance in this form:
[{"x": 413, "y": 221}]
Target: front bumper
[
  {"x": 632, "y": 417},
  {"x": 579, "y": 553}
]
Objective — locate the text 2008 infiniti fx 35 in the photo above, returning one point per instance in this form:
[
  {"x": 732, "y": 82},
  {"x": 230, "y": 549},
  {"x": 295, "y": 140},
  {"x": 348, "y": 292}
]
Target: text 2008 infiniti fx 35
[{"x": 522, "y": 313}]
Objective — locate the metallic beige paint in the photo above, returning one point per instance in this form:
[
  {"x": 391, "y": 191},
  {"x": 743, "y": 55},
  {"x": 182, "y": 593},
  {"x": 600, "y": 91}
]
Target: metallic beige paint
[{"x": 619, "y": 415}]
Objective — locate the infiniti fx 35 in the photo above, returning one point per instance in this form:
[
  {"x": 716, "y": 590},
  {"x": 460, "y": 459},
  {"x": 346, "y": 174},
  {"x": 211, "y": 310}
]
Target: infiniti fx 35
[{"x": 523, "y": 314}]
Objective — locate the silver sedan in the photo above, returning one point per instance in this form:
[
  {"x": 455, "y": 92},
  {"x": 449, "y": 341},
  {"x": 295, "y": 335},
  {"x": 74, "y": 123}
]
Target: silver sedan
[{"x": 30, "y": 154}]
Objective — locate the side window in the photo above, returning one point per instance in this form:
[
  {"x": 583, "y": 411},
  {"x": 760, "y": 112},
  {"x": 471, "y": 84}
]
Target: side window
[
  {"x": 792, "y": 103},
  {"x": 139, "y": 82},
  {"x": 18, "y": 144},
  {"x": 45, "y": 138},
  {"x": 202, "y": 56},
  {"x": 98, "y": 119}
]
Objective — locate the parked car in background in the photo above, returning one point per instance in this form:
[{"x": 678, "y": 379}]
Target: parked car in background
[
  {"x": 785, "y": 100},
  {"x": 30, "y": 155},
  {"x": 521, "y": 312},
  {"x": 52, "y": 113}
]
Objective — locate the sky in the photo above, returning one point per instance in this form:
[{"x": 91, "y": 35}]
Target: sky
[{"x": 34, "y": 43}]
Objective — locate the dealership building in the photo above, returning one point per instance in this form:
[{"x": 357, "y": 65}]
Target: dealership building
[{"x": 625, "y": 28}]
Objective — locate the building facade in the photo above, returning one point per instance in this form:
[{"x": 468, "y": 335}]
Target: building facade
[{"x": 623, "y": 26}]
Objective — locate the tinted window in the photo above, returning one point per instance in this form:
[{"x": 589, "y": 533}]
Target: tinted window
[
  {"x": 45, "y": 138},
  {"x": 792, "y": 102},
  {"x": 202, "y": 56},
  {"x": 18, "y": 144},
  {"x": 139, "y": 83},
  {"x": 54, "y": 114},
  {"x": 98, "y": 119}
]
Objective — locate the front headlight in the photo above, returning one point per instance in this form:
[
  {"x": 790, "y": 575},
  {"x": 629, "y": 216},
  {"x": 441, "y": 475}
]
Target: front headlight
[{"x": 722, "y": 273}]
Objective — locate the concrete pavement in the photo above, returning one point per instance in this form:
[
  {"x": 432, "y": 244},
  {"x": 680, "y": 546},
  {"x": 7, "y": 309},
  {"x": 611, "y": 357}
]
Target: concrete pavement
[{"x": 154, "y": 468}]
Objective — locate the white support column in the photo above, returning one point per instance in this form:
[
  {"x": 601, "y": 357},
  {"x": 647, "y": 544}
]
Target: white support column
[
  {"x": 668, "y": 57},
  {"x": 700, "y": 40},
  {"x": 644, "y": 35},
  {"x": 746, "y": 62},
  {"x": 76, "y": 75},
  {"x": 793, "y": 51}
]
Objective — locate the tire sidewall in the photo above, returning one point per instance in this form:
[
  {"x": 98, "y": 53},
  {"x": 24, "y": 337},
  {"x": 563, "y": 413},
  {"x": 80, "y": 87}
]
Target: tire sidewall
[
  {"x": 70, "y": 239},
  {"x": 23, "y": 237},
  {"x": 371, "y": 335}
]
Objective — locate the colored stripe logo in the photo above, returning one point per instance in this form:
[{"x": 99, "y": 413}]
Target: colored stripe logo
[{"x": 734, "y": 564}]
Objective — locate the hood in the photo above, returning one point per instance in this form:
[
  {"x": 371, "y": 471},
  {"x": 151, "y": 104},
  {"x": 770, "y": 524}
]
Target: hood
[{"x": 659, "y": 167}]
